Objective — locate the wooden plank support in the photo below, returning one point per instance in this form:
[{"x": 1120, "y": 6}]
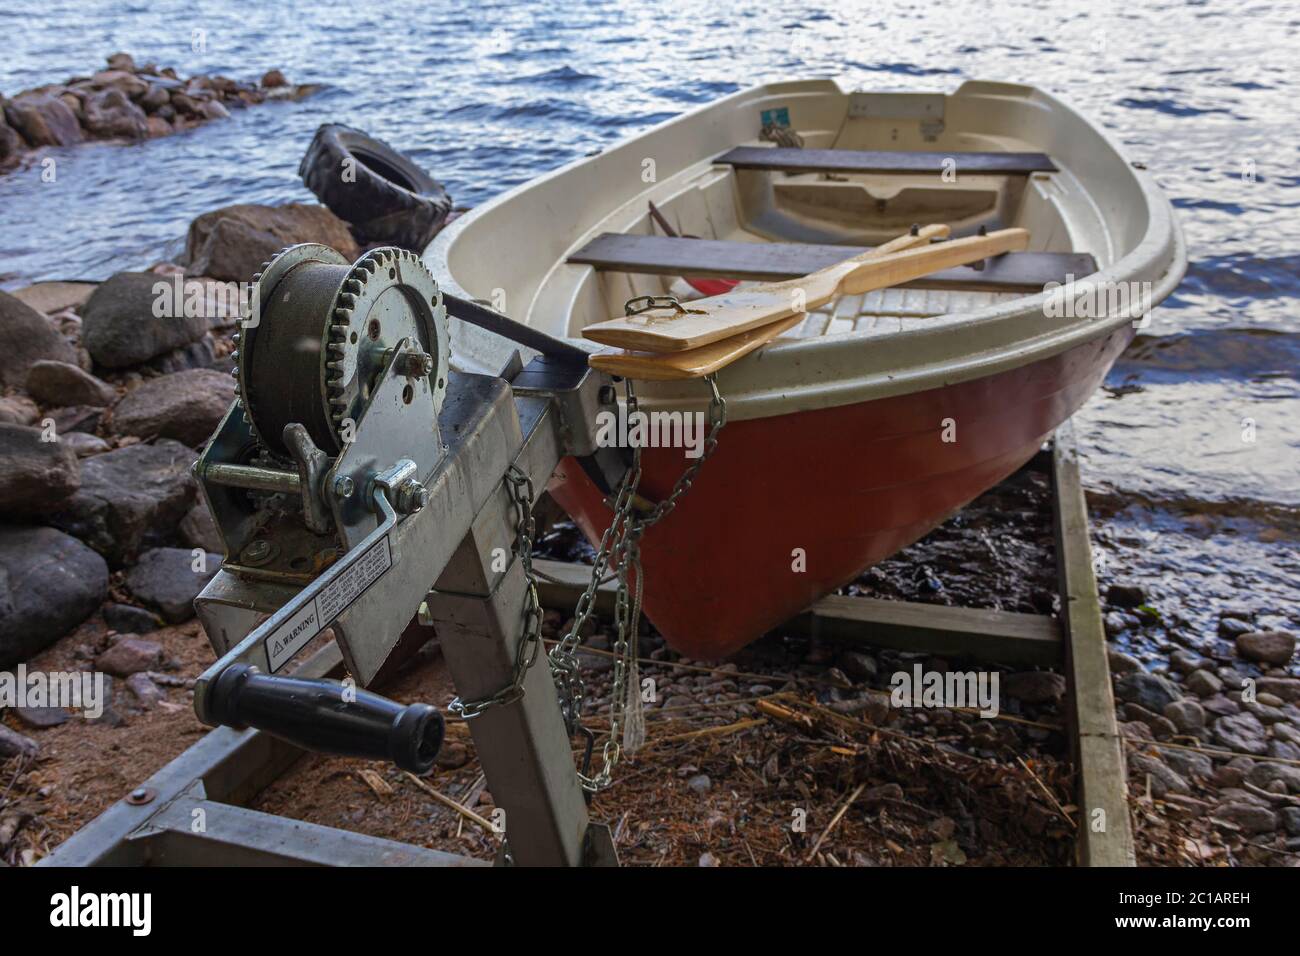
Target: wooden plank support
[
  {"x": 1105, "y": 831},
  {"x": 1002, "y": 636},
  {"x": 1024, "y": 272},
  {"x": 882, "y": 161}
]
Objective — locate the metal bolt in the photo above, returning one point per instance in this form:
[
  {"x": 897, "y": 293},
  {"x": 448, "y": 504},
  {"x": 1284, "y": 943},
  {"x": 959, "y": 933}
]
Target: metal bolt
[
  {"x": 415, "y": 364},
  {"x": 141, "y": 795},
  {"x": 606, "y": 395},
  {"x": 257, "y": 550},
  {"x": 343, "y": 487},
  {"x": 411, "y": 497}
]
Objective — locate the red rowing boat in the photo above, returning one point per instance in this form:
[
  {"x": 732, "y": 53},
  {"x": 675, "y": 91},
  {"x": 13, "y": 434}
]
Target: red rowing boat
[{"x": 877, "y": 417}]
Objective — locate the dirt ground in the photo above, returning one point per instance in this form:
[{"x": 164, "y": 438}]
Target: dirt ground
[{"x": 788, "y": 754}]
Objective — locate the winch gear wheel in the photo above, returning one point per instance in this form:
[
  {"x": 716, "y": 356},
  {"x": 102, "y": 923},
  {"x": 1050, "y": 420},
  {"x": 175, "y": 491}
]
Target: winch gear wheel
[{"x": 321, "y": 330}]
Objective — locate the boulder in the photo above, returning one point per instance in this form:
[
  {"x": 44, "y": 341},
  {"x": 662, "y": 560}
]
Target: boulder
[
  {"x": 129, "y": 619},
  {"x": 1266, "y": 647},
  {"x": 1148, "y": 690},
  {"x": 213, "y": 110},
  {"x": 171, "y": 578},
  {"x": 1242, "y": 733},
  {"x": 49, "y": 583},
  {"x": 273, "y": 78},
  {"x": 129, "y": 496},
  {"x": 127, "y": 321},
  {"x": 145, "y": 691},
  {"x": 1125, "y": 595},
  {"x": 199, "y": 530},
  {"x": 1187, "y": 715},
  {"x": 1143, "y": 767},
  {"x": 110, "y": 114},
  {"x": 43, "y": 120},
  {"x": 1246, "y": 817},
  {"x": 74, "y": 418},
  {"x": 122, "y": 61},
  {"x": 233, "y": 243},
  {"x": 26, "y": 336},
  {"x": 62, "y": 383},
  {"x": 158, "y": 127},
  {"x": 1203, "y": 684},
  {"x": 154, "y": 97},
  {"x": 187, "y": 406},
  {"x": 1284, "y": 688},
  {"x": 130, "y": 655},
  {"x": 18, "y": 410},
  {"x": 14, "y": 744},
  {"x": 11, "y": 143},
  {"x": 37, "y": 476},
  {"x": 83, "y": 444},
  {"x": 1035, "y": 687}
]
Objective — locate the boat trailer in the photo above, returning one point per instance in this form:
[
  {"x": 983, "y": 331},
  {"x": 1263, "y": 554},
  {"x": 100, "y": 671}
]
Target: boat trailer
[{"x": 359, "y": 484}]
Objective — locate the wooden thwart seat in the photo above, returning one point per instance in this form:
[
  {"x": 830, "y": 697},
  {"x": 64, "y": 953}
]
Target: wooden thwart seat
[
  {"x": 1020, "y": 272},
  {"x": 882, "y": 161}
]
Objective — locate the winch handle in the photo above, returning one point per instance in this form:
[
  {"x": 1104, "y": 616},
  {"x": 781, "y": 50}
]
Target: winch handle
[{"x": 327, "y": 716}]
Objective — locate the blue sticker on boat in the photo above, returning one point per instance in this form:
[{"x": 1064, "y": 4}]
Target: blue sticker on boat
[{"x": 777, "y": 117}]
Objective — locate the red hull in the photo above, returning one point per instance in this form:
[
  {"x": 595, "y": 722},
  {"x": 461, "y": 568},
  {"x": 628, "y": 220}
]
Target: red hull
[{"x": 849, "y": 485}]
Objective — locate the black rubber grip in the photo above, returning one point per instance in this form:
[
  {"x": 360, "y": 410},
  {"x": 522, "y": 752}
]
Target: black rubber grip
[{"x": 328, "y": 717}]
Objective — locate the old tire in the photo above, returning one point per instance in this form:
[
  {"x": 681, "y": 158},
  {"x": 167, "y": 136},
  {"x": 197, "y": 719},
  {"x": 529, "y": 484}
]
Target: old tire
[{"x": 385, "y": 197}]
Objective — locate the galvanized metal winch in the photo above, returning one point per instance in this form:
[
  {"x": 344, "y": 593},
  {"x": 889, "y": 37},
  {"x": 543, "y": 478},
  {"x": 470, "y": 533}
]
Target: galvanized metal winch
[{"x": 358, "y": 480}]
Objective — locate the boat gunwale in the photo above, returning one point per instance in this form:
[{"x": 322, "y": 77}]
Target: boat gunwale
[{"x": 766, "y": 383}]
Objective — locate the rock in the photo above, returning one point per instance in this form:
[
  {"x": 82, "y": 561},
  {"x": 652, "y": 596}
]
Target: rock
[
  {"x": 38, "y": 476},
  {"x": 129, "y": 619},
  {"x": 166, "y": 578},
  {"x": 1186, "y": 715},
  {"x": 1231, "y": 627},
  {"x": 83, "y": 445},
  {"x": 199, "y": 530},
  {"x": 1247, "y": 817},
  {"x": 212, "y": 109},
  {"x": 860, "y": 666},
  {"x": 11, "y": 143},
  {"x": 1125, "y": 595},
  {"x": 26, "y": 336},
  {"x": 1283, "y": 688},
  {"x": 145, "y": 690},
  {"x": 1034, "y": 687},
  {"x": 43, "y": 120},
  {"x": 18, "y": 410},
  {"x": 1266, "y": 647},
  {"x": 1264, "y": 774},
  {"x": 453, "y": 755},
  {"x": 75, "y": 418},
  {"x": 1162, "y": 728},
  {"x": 110, "y": 114},
  {"x": 122, "y": 61},
  {"x": 1185, "y": 662},
  {"x": 1203, "y": 684},
  {"x": 49, "y": 583},
  {"x": 121, "y": 81},
  {"x": 42, "y": 718},
  {"x": 1121, "y": 663},
  {"x": 1163, "y": 779},
  {"x": 128, "y": 496},
  {"x": 158, "y": 127},
  {"x": 1221, "y": 706},
  {"x": 700, "y": 783},
  {"x": 1188, "y": 763},
  {"x": 121, "y": 326},
  {"x": 1148, "y": 690},
  {"x": 63, "y": 383},
  {"x": 187, "y": 406},
  {"x": 14, "y": 744},
  {"x": 708, "y": 860},
  {"x": 1290, "y": 817},
  {"x": 232, "y": 243},
  {"x": 1241, "y": 732},
  {"x": 130, "y": 655},
  {"x": 273, "y": 78}
]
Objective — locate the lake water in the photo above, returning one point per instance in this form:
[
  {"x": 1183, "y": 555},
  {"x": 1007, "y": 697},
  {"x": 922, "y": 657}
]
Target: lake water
[{"x": 1192, "y": 502}]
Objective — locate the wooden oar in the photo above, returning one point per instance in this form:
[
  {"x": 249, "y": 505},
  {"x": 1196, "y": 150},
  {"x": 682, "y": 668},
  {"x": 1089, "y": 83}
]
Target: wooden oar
[
  {"x": 707, "y": 359},
  {"x": 689, "y": 326},
  {"x": 692, "y": 363}
]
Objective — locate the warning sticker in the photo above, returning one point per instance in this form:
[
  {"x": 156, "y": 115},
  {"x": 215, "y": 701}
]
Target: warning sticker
[{"x": 335, "y": 598}]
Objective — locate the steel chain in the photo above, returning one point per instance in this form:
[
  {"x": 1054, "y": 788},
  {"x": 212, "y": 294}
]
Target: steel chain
[
  {"x": 620, "y": 543},
  {"x": 520, "y": 488}
]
